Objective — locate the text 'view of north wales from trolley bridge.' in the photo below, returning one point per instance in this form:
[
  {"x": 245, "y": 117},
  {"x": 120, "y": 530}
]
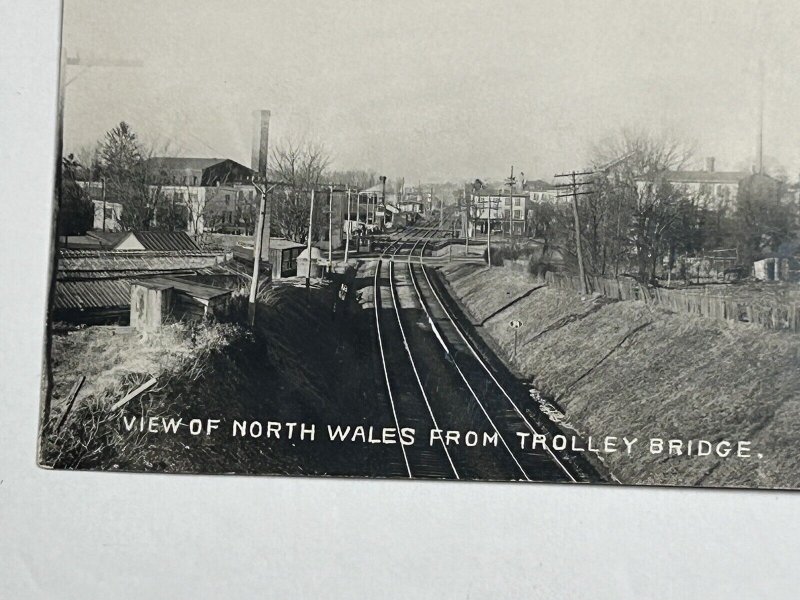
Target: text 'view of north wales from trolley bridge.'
[{"x": 539, "y": 242}]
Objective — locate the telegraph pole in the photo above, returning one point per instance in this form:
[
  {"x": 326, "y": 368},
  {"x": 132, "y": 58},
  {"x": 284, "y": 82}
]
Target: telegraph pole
[
  {"x": 349, "y": 228},
  {"x": 103, "y": 180},
  {"x": 441, "y": 211},
  {"x": 308, "y": 245},
  {"x": 259, "y": 164},
  {"x": 330, "y": 227},
  {"x": 489, "y": 234},
  {"x": 467, "y": 201},
  {"x": 64, "y": 61},
  {"x": 510, "y": 181},
  {"x": 761, "y": 118},
  {"x": 573, "y": 185}
]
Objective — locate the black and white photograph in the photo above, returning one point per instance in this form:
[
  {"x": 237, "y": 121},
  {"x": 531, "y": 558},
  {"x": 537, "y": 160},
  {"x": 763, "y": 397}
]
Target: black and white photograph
[{"x": 521, "y": 242}]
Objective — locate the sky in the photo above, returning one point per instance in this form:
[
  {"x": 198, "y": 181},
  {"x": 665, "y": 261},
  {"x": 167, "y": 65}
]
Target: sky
[{"x": 438, "y": 91}]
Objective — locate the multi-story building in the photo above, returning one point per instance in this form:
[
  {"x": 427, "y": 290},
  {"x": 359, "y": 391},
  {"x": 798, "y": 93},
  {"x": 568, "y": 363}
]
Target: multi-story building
[
  {"x": 713, "y": 189},
  {"x": 504, "y": 210},
  {"x": 540, "y": 191},
  {"x": 217, "y": 193}
]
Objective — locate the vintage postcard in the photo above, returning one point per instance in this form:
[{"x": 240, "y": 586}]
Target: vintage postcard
[{"x": 540, "y": 241}]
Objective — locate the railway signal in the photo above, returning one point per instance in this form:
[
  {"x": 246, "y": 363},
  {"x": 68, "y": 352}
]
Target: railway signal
[{"x": 515, "y": 324}]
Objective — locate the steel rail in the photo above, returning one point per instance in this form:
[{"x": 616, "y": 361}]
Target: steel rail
[
  {"x": 375, "y": 300},
  {"x": 458, "y": 369},
  {"x": 411, "y": 357},
  {"x": 480, "y": 360}
]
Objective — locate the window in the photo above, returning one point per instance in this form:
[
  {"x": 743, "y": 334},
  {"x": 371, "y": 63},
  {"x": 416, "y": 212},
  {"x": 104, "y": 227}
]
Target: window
[
  {"x": 516, "y": 201},
  {"x": 194, "y": 180}
]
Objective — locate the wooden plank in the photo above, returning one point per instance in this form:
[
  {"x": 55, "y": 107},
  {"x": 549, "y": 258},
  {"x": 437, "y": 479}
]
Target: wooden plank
[
  {"x": 76, "y": 387},
  {"x": 142, "y": 388}
]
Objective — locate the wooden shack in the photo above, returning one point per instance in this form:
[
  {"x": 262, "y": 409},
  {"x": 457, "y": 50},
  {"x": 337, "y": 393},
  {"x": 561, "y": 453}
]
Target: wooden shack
[
  {"x": 281, "y": 258},
  {"x": 155, "y": 300},
  {"x": 283, "y": 255},
  {"x": 151, "y": 304}
]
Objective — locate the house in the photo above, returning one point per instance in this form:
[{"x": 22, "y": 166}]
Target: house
[
  {"x": 197, "y": 172},
  {"x": 373, "y": 197},
  {"x": 540, "y": 191},
  {"x": 217, "y": 193},
  {"x": 714, "y": 189},
  {"x": 504, "y": 208}
]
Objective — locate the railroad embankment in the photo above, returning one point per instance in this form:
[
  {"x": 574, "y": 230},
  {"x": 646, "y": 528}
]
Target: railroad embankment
[
  {"x": 609, "y": 368},
  {"x": 288, "y": 370}
]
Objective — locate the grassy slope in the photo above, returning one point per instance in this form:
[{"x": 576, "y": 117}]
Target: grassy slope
[
  {"x": 290, "y": 371},
  {"x": 678, "y": 377}
]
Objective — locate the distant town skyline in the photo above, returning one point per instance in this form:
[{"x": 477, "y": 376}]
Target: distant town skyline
[{"x": 443, "y": 92}]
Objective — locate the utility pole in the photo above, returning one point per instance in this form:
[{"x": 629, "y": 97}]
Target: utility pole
[
  {"x": 330, "y": 227},
  {"x": 103, "y": 181},
  {"x": 489, "y": 234},
  {"x": 63, "y": 82},
  {"x": 510, "y": 181},
  {"x": 441, "y": 212},
  {"x": 259, "y": 165},
  {"x": 349, "y": 228},
  {"x": 467, "y": 202},
  {"x": 574, "y": 184},
  {"x": 761, "y": 118},
  {"x": 308, "y": 245}
]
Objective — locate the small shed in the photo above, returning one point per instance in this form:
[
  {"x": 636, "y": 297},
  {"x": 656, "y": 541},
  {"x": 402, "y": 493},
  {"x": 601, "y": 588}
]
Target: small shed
[
  {"x": 283, "y": 256},
  {"x": 156, "y": 299},
  {"x": 772, "y": 268},
  {"x": 151, "y": 304},
  {"x": 315, "y": 270}
]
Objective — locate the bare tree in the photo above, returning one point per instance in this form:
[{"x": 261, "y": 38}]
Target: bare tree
[
  {"x": 300, "y": 166},
  {"x": 637, "y": 207}
]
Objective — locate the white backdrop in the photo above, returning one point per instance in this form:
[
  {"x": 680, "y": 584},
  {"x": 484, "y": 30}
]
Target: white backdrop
[{"x": 79, "y": 535}]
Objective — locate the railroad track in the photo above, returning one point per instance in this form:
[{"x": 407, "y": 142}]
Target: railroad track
[
  {"x": 497, "y": 403},
  {"x": 409, "y": 402},
  {"x": 437, "y": 380}
]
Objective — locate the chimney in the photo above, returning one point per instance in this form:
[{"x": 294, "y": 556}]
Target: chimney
[
  {"x": 258, "y": 158},
  {"x": 710, "y": 164},
  {"x": 258, "y": 162}
]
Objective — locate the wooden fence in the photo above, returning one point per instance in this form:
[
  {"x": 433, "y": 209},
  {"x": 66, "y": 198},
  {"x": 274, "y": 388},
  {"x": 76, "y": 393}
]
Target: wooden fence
[{"x": 771, "y": 313}]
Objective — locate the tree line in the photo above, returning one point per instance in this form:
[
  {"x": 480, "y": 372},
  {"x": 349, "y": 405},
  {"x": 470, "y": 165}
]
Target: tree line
[
  {"x": 638, "y": 221},
  {"x": 129, "y": 176}
]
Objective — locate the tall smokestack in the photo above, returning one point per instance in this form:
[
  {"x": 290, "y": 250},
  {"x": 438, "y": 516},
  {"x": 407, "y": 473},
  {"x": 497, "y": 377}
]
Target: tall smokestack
[
  {"x": 258, "y": 158},
  {"x": 258, "y": 162}
]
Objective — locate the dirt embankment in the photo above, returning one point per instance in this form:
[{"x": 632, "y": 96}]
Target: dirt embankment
[
  {"x": 625, "y": 368},
  {"x": 296, "y": 367}
]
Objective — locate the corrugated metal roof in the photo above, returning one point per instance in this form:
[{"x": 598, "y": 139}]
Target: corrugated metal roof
[
  {"x": 192, "y": 288},
  {"x": 95, "y": 279},
  {"x": 113, "y": 293},
  {"x": 164, "y": 240},
  {"x": 77, "y": 263}
]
